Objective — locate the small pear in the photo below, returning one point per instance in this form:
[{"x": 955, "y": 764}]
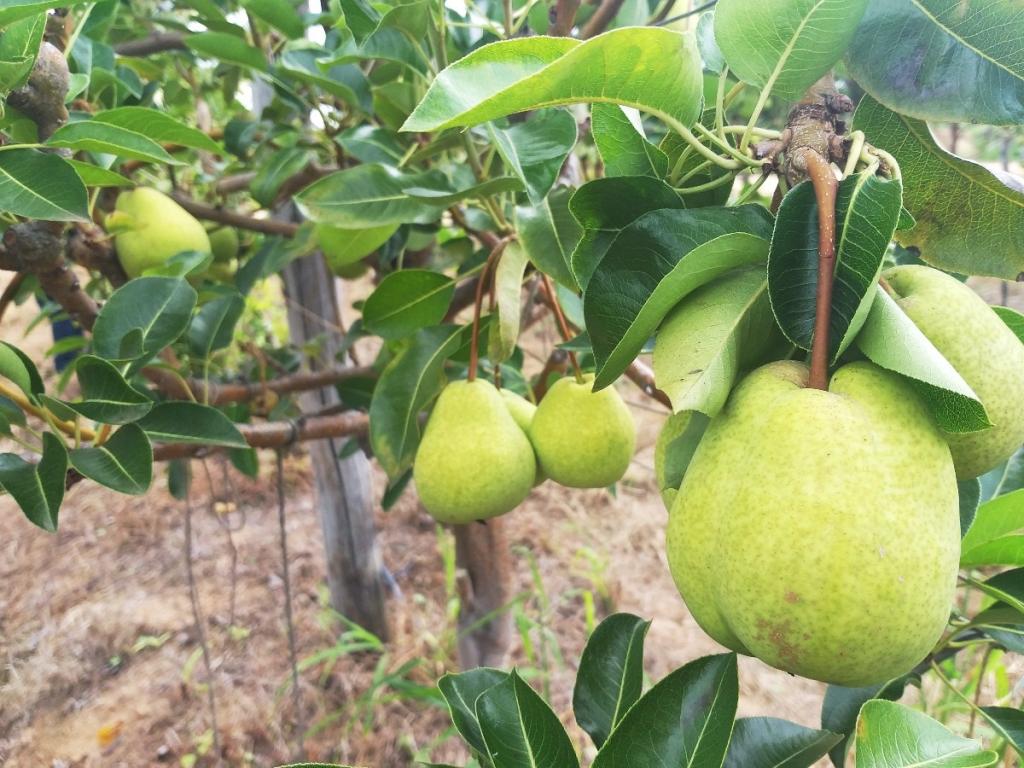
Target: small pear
[
  {"x": 224, "y": 243},
  {"x": 984, "y": 351},
  {"x": 583, "y": 439},
  {"x": 522, "y": 410},
  {"x": 820, "y": 531},
  {"x": 474, "y": 461},
  {"x": 149, "y": 228}
]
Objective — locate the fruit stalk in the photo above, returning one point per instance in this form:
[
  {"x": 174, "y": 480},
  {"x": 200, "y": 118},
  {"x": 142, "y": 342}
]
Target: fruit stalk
[
  {"x": 487, "y": 273},
  {"x": 819, "y": 171},
  {"x": 563, "y": 325}
]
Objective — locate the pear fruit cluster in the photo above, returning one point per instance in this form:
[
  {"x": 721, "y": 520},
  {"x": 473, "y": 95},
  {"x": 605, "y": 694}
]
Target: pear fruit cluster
[
  {"x": 820, "y": 530},
  {"x": 484, "y": 449}
]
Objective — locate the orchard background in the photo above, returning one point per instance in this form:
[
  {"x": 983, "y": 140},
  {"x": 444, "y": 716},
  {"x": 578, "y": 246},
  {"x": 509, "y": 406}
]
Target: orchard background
[{"x": 211, "y": 408}]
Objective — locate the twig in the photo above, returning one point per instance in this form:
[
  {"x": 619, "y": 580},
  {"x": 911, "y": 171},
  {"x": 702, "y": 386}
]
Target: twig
[
  {"x": 820, "y": 173},
  {"x": 158, "y": 42},
  {"x": 691, "y": 12},
  {"x": 212, "y": 508},
  {"x": 601, "y": 18},
  {"x": 10, "y": 291},
  {"x": 641, "y": 375},
  {"x": 197, "y": 617},
  {"x": 563, "y": 324},
  {"x": 241, "y": 221},
  {"x": 293, "y": 658},
  {"x": 489, "y": 267},
  {"x": 213, "y": 393},
  {"x": 565, "y": 17}
]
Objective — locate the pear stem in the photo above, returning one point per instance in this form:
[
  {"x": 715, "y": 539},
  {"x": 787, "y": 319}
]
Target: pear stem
[
  {"x": 563, "y": 325},
  {"x": 486, "y": 274},
  {"x": 819, "y": 171}
]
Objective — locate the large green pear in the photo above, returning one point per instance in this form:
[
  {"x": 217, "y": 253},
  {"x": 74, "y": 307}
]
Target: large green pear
[
  {"x": 149, "y": 228},
  {"x": 583, "y": 439},
  {"x": 474, "y": 461},
  {"x": 985, "y": 352},
  {"x": 819, "y": 531},
  {"x": 521, "y": 409}
]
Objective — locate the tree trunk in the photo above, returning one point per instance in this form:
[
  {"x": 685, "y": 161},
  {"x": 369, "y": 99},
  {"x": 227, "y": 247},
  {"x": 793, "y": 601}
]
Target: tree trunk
[
  {"x": 344, "y": 488},
  {"x": 485, "y": 587}
]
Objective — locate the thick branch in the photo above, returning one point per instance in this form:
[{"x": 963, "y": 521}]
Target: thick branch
[
  {"x": 241, "y": 221},
  {"x": 222, "y": 393},
  {"x": 158, "y": 42}
]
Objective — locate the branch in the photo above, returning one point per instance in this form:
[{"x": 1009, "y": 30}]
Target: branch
[
  {"x": 565, "y": 17},
  {"x": 241, "y": 221},
  {"x": 279, "y": 434},
  {"x": 602, "y": 17},
  {"x": 158, "y": 42},
  {"x": 219, "y": 394},
  {"x": 641, "y": 375}
]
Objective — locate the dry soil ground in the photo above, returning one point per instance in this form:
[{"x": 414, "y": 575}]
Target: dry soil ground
[{"x": 99, "y": 660}]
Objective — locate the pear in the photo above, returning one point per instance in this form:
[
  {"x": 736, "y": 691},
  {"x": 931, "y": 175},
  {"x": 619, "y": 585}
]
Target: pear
[
  {"x": 474, "y": 461},
  {"x": 819, "y": 531},
  {"x": 345, "y": 247},
  {"x": 222, "y": 271},
  {"x": 223, "y": 243},
  {"x": 583, "y": 439},
  {"x": 521, "y": 409},
  {"x": 985, "y": 352},
  {"x": 149, "y": 228}
]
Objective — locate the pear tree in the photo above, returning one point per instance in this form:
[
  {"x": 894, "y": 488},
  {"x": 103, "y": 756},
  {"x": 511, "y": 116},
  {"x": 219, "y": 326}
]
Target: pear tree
[{"x": 739, "y": 210}]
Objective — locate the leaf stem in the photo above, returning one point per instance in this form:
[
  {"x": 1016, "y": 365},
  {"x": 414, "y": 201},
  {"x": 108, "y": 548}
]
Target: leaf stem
[
  {"x": 857, "y": 140},
  {"x": 714, "y": 184},
  {"x": 819, "y": 171}
]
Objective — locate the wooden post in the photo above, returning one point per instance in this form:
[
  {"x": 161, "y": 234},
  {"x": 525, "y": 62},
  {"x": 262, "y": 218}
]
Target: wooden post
[
  {"x": 344, "y": 487},
  {"x": 485, "y": 588}
]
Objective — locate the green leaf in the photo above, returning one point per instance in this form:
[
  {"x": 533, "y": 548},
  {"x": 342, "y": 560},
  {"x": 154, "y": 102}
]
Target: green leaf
[
  {"x": 685, "y": 721},
  {"x": 890, "y": 339},
  {"x": 1014, "y": 320},
  {"x": 94, "y": 176},
  {"x": 16, "y": 366},
  {"x": 461, "y": 692},
  {"x": 406, "y": 301},
  {"x": 434, "y": 189},
  {"x": 604, "y": 207},
  {"x": 709, "y": 337},
  {"x": 361, "y": 17},
  {"x": 275, "y": 171},
  {"x": 508, "y": 287},
  {"x": 107, "y": 397},
  {"x": 653, "y": 264},
  {"x": 13, "y": 10},
  {"x": 185, "y": 422},
  {"x": 228, "y": 48},
  {"x": 123, "y": 463},
  {"x": 611, "y": 675},
  {"x": 785, "y": 45},
  {"x": 519, "y": 729},
  {"x": 311, "y": 63},
  {"x": 995, "y": 537},
  {"x": 213, "y": 326},
  {"x": 969, "y": 492},
  {"x": 767, "y": 742},
  {"x": 535, "y": 150},
  {"x": 710, "y": 53},
  {"x": 968, "y": 221},
  {"x": 384, "y": 45},
  {"x": 890, "y": 735},
  {"x": 548, "y": 233},
  {"x": 41, "y": 186},
  {"x": 19, "y": 46},
  {"x": 94, "y": 136},
  {"x": 842, "y": 705},
  {"x": 680, "y": 447},
  {"x": 369, "y": 195},
  {"x": 1008, "y": 723},
  {"x": 653, "y": 69},
  {"x": 280, "y": 14},
  {"x": 158, "y": 126},
  {"x": 624, "y": 148},
  {"x": 408, "y": 384},
  {"x": 1009, "y": 476},
  {"x": 142, "y": 317},
  {"x": 370, "y": 144},
  {"x": 942, "y": 60},
  {"x": 37, "y": 488},
  {"x": 867, "y": 208}
]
